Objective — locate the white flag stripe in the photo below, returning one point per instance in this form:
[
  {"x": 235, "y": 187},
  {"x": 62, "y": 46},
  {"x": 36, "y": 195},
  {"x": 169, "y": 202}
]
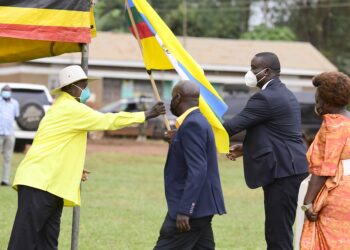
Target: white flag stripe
[{"x": 182, "y": 74}]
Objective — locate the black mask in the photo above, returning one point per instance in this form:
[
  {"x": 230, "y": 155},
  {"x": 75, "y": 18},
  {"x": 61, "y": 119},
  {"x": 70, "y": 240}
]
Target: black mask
[{"x": 174, "y": 106}]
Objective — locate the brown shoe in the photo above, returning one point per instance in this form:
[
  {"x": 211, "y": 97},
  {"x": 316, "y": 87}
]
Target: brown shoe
[{"x": 5, "y": 184}]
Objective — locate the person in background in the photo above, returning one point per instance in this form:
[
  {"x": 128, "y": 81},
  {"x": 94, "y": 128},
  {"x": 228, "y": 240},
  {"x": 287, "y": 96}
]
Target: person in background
[
  {"x": 49, "y": 176},
  {"x": 9, "y": 111},
  {"x": 191, "y": 176},
  {"x": 327, "y": 200},
  {"x": 273, "y": 150}
]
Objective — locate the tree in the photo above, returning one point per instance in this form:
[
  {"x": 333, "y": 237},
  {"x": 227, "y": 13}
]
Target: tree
[
  {"x": 110, "y": 16},
  {"x": 210, "y": 18},
  {"x": 262, "y": 32},
  {"x": 326, "y": 25}
]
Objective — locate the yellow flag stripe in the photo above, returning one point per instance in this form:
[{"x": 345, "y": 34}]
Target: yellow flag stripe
[
  {"x": 17, "y": 50},
  {"x": 221, "y": 137},
  {"x": 154, "y": 55},
  {"x": 44, "y": 17}
]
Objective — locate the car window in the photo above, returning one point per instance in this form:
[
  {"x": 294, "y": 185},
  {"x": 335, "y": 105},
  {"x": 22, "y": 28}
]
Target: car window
[
  {"x": 235, "y": 105},
  {"x": 30, "y": 95},
  {"x": 130, "y": 107},
  {"x": 121, "y": 107}
]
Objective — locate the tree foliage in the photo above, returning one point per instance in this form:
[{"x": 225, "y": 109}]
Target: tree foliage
[
  {"x": 110, "y": 16},
  {"x": 209, "y": 18},
  {"x": 325, "y": 24},
  {"x": 262, "y": 32}
]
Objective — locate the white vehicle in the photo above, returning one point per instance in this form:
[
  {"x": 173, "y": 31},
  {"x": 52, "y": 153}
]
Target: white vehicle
[{"x": 34, "y": 100}]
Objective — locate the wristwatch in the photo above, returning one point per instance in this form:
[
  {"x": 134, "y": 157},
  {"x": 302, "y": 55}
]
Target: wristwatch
[{"x": 306, "y": 207}]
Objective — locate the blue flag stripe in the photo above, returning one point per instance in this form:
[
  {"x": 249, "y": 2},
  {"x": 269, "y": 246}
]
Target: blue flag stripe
[
  {"x": 131, "y": 3},
  {"x": 218, "y": 106},
  {"x": 148, "y": 23}
]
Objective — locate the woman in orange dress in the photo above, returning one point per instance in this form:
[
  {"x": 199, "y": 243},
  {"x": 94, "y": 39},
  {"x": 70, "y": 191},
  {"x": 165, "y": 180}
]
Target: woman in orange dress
[{"x": 327, "y": 201}]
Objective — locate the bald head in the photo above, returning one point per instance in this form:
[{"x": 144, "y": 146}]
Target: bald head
[
  {"x": 187, "y": 89},
  {"x": 185, "y": 95}
]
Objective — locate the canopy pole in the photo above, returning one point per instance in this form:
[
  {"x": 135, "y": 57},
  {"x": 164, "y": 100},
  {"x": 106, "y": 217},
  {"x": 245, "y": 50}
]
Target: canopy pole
[
  {"x": 149, "y": 72},
  {"x": 76, "y": 209}
]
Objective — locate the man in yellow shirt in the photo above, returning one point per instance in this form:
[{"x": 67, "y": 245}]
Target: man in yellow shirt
[{"x": 49, "y": 176}]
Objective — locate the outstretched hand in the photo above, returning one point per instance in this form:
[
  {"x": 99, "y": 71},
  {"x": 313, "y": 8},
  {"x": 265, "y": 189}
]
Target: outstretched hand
[
  {"x": 235, "y": 152},
  {"x": 156, "y": 110}
]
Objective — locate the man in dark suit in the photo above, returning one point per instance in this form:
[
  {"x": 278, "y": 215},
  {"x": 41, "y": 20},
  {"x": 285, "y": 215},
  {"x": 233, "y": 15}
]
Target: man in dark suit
[
  {"x": 191, "y": 177},
  {"x": 273, "y": 150}
]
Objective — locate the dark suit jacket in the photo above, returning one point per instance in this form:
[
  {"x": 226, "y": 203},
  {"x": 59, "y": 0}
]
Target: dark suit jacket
[
  {"x": 191, "y": 174},
  {"x": 273, "y": 146}
]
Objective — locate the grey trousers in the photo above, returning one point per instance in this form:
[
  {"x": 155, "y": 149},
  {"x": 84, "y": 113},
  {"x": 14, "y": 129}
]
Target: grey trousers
[{"x": 7, "y": 144}]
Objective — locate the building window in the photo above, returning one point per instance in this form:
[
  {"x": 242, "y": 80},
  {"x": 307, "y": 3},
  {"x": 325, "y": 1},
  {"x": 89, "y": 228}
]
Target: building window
[{"x": 111, "y": 90}]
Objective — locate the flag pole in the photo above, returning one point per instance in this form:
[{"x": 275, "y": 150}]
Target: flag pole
[
  {"x": 149, "y": 72},
  {"x": 76, "y": 209}
]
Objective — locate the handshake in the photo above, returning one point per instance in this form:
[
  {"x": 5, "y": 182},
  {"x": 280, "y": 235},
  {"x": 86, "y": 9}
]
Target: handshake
[{"x": 235, "y": 152}]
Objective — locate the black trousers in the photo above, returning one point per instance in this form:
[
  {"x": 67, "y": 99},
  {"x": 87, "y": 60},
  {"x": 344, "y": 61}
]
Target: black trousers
[
  {"x": 280, "y": 200},
  {"x": 199, "y": 237},
  {"x": 37, "y": 222}
]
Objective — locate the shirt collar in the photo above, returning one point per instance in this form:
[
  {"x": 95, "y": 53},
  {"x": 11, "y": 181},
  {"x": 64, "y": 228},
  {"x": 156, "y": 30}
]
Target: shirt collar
[
  {"x": 66, "y": 95},
  {"x": 265, "y": 85},
  {"x": 182, "y": 117}
]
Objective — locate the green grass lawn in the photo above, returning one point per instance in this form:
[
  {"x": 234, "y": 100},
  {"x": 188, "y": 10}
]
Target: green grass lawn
[{"x": 123, "y": 206}]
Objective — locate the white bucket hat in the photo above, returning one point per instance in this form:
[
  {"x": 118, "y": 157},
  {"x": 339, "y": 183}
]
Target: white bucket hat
[{"x": 69, "y": 75}]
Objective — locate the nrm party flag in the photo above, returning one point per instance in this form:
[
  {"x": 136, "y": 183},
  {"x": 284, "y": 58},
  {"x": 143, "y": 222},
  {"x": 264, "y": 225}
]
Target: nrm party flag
[
  {"x": 39, "y": 28},
  {"x": 162, "y": 51}
]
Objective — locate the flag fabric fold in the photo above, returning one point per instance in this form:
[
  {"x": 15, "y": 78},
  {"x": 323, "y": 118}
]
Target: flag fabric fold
[
  {"x": 52, "y": 26},
  {"x": 162, "y": 51}
]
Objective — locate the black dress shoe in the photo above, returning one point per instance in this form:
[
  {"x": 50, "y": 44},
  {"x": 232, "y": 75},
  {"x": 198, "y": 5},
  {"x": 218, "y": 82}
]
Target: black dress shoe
[{"x": 5, "y": 184}]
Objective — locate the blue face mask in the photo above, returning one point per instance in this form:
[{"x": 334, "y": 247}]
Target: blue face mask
[
  {"x": 84, "y": 95},
  {"x": 6, "y": 94}
]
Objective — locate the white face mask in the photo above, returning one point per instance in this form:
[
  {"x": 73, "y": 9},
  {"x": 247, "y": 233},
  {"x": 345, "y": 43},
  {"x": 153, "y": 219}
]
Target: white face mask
[{"x": 251, "y": 80}]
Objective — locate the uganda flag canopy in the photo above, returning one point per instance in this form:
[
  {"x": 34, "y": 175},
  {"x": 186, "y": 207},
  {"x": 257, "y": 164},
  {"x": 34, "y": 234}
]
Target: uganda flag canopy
[{"x": 43, "y": 28}]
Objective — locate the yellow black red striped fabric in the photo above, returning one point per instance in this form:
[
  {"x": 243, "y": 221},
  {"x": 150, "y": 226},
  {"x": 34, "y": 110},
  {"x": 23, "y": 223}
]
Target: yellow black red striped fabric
[
  {"x": 47, "y": 20},
  {"x": 79, "y": 5}
]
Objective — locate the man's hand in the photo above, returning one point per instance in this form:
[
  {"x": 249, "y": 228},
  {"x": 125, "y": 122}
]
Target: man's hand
[
  {"x": 169, "y": 135},
  {"x": 85, "y": 175},
  {"x": 311, "y": 215},
  {"x": 156, "y": 110},
  {"x": 235, "y": 152},
  {"x": 183, "y": 223}
]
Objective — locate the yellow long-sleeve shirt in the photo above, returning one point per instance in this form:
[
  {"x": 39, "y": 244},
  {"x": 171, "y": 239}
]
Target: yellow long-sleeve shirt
[{"x": 55, "y": 161}]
